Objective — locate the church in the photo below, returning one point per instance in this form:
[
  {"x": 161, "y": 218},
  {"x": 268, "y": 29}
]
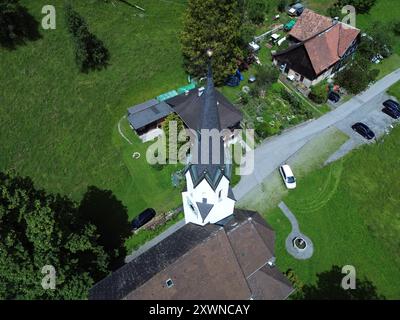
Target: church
[{"x": 221, "y": 253}]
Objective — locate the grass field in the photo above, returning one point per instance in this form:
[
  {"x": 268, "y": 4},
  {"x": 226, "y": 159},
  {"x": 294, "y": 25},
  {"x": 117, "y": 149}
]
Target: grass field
[
  {"x": 311, "y": 156},
  {"x": 395, "y": 90},
  {"x": 59, "y": 126},
  {"x": 350, "y": 210}
]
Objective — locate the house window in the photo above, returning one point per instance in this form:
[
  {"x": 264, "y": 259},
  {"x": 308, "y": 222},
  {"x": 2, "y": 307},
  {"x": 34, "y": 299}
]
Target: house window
[
  {"x": 169, "y": 283},
  {"x": 220, "y": 194}
]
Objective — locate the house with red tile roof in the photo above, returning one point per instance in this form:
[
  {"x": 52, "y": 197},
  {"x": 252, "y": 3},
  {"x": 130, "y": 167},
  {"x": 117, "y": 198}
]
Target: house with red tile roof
[{"x": 320, "y": 47}]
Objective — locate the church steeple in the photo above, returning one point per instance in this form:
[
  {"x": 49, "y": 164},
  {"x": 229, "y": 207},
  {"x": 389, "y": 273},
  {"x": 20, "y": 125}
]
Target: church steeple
[
  {"x": 209, "y": 114},
  {"x": 208, "y": 198}
]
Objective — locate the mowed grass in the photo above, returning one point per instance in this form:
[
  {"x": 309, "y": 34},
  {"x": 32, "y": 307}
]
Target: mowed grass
[
  {"x": 58, "y": 125},
  {"x": 350, "y": 210}
]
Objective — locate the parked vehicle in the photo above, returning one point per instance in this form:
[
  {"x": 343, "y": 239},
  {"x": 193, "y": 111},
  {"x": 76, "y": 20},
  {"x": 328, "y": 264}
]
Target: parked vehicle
[
  {"x": 143, "y": 218},
  {"x": 296, "y": 10},
  {"x": 334, "y": 97},
  {"x": 377, "y": 59},
  {"x": 254, "y": 46},
  {"x": 392, "y": 112},
  {"x": 392, "y": 104},
  {"x": 287, "y": 176},
  {"x": 363, "y": 130},
  {"x": 289, "y": 26}
]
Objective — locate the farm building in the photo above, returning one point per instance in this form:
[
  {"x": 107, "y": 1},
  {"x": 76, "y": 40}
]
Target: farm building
[
  {"x": 320, "y": 46},
  {"x": 147, "y": 118}
]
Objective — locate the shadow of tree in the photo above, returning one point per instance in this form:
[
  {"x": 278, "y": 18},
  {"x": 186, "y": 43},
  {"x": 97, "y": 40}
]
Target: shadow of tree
[
  {"x": 328, "y": 287},
  {"x": 109, "y": 215},
  {"x": 16, "y": 26}
]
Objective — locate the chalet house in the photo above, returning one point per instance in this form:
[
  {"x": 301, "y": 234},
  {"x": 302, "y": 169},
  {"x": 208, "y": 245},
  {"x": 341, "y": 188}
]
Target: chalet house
[
  {"x": 147, "y": 118},
  {"x": 221, "y": 253},
  {"x": 320, "y": 46}
]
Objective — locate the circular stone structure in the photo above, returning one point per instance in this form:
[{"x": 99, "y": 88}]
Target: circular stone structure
[{"x": 299, "y": 243}]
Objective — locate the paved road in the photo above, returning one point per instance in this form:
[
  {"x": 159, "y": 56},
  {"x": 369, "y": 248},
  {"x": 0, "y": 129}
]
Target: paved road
[{"x": 275, "y": 151}]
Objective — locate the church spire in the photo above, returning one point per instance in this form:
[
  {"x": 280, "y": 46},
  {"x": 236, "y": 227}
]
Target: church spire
[
  {"x": 208, "y": 198},
  {"x": 209, "y": 114}
]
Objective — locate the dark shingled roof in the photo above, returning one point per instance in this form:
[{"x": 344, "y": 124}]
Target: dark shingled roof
[
  {"x": 148, "y": 112},
  {"x": 226, "y": 261},
  {"x": 144, "y": 267}
]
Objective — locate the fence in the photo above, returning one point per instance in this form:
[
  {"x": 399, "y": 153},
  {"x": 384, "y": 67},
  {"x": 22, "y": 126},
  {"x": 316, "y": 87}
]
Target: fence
[
  {"x": 261, "y": 37},
  {"x": 160, "y": 219}
]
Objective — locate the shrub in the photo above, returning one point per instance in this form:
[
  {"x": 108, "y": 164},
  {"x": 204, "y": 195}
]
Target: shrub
[
  {"x": 90, "y": 52},
  {"x": 256, "y": 11},
  {"x": 396, "y": 28},
  {"x": 356, "y": 77},
  {"x": 266, "y": 76},
  {"x": 295, "y": 103},
  {"x": 282, "y": 5},
  {"x": 319, "y": 93}
]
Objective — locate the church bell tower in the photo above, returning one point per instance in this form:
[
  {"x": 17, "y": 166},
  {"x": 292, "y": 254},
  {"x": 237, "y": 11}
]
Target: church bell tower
[{"x": 208, "y": 197}]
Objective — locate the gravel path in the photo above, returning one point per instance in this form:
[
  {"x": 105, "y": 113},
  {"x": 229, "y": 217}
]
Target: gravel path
[{"x": 295, "y": 233}]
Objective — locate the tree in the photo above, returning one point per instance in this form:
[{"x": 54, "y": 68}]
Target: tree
[
  {"x": 210, "y": 24},
  {"x": 357, "y": 75},
  {"x": 256, "y": 11},
  {"x": 173, "y": 117},
  {"x": 39, "y": 229},
  {"x": 380, "y": 39},
  {"x": 16, "y": 24},
  {"x": 319, "y": 93},
  {"x": 247, "y": 32},
  {"x": 361, "y": 6},
  {"x": 396, "y": 28},
  {"x": 90, "y": 52},
  {"x": 282, "y": 4}
]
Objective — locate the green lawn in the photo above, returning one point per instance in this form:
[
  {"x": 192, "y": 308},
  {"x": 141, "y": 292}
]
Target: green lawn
[
  {"x": 59, "y": 126},
  {"x": 395, "y": 90},
  {"x": 350, "y": 210}
]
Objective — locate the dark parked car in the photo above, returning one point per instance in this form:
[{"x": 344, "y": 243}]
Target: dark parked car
[
  {"x": 391, "y": 104},
  {"x": 363, "y": 130},
  {"x": 143, "y": 218},
  {"x": 392, "y": 112},
  {"x": 333, "y": 96}
]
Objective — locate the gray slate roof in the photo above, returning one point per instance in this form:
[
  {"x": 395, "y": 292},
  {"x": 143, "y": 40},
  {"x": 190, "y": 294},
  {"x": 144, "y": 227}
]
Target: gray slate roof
[{"x": 148, "y": 112}]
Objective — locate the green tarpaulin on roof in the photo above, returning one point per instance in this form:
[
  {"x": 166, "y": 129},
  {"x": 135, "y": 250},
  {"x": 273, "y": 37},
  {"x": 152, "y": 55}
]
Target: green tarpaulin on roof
[
  {"x": 167, "y": 95},
  {"x": 186, "y": 88}
]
